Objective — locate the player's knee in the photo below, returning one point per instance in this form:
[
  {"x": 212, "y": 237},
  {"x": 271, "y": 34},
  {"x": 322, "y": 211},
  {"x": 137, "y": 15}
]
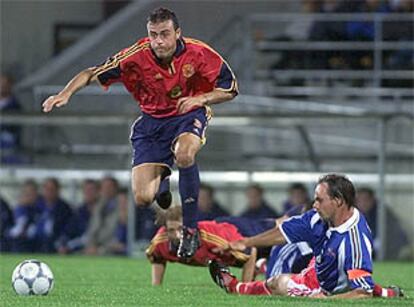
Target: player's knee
[
  {"x": 272, "y": 284},
  {"x": 278, "y": 284},
  {"x": 143, "y": 199},
  {"x": 184, "y": 160}
]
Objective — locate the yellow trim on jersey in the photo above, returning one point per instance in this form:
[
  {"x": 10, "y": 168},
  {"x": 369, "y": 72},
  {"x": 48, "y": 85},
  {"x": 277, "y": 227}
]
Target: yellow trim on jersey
[
  {"x": 209, "y": 237},
  {"x": 121, "y": 56},
  {"x": 234, "y": 86},
  {"x": 160, "y": 238}
]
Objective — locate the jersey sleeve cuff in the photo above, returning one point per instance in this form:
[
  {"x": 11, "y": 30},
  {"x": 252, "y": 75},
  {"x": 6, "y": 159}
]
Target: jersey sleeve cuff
[{"x": 232, "y": 89}]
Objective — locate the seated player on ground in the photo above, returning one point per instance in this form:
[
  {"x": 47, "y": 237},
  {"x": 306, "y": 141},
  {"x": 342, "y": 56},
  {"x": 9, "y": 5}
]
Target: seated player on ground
[
  {"x": 210, "y": 235},
  {"x": 341, "y": 242}
]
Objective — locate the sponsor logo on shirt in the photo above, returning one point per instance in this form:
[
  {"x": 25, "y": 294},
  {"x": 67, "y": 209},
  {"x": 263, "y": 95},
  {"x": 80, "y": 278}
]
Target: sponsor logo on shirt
[{"x": 175, "y": 92}]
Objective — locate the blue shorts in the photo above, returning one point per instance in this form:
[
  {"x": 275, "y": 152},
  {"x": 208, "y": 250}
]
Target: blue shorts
[
  {"x": 248, "y": 227},
  {"x": 288, "y": 258},
  {"x": 153, "y": 139}
]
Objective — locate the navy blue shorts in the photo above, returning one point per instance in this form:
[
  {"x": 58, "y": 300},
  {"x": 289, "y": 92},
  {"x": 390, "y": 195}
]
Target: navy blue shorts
[
  {"x": 153, "y": 139},
  {"x": 248, "y": 227}
]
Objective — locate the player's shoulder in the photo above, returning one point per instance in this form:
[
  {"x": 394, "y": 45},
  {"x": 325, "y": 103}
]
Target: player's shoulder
[
  {"x": 193, "y": 42},
  {"x": 311, "y": 216},
  {"x": 197, "y": 45},
  {"x": 139, "y": 46},
  {"x": 206, "y": 225},
  {"x": 160, "y": 236}
]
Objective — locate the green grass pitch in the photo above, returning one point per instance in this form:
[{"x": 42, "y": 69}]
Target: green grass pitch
[{"x": 93, "y": 281}]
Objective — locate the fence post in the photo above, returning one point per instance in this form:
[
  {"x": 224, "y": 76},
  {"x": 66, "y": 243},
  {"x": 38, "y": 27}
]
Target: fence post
[{"x": 381, "y": 212}]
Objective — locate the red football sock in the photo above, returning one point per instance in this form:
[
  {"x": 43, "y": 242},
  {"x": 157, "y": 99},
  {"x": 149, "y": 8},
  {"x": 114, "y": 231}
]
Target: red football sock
[
  {"x": 383, "y": 292},
  {"x": 253, "y": 288}
]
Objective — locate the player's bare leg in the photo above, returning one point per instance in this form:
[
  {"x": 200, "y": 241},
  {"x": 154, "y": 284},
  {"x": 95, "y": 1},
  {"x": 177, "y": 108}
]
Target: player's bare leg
[
  {"x": 146, "y": 180},
  {"x": 185, "y": 150},
  {"x": 278, "y": 285}
]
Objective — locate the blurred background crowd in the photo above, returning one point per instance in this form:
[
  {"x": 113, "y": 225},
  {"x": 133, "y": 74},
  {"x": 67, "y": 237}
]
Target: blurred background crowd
[
  {"x": 325, "y": 86},
  {"x": 41, "y": 221}
]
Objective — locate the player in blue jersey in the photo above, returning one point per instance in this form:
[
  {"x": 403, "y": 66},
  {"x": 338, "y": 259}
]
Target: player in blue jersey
[
  {"x": 341, "y": 242},
  {"x": 287, "y": 258}
]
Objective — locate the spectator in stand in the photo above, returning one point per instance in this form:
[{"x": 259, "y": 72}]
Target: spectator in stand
[
  {"x": 26, "y": 213},
  {"x": 75, "y": 235},
  {"x": 9, "y": 134},
  {"x": 257, "y": 206},
  {"x": 6, "y": 222},
  {"x": 401, "y": 30},
  {"x": 350, "y": 30},
  {"x": 104, "y": 219},
  {"x": 396, "y": 239},
  {"x": 119, "y": 244},
  {"x": 298, "y": 199},
  {"x": 208, "y": 207},
  {"x": 55, "y": 217}
]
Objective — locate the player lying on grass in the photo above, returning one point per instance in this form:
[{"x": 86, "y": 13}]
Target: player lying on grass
[
  {"x": 210, "y": 235},
  {"x": 341, "y": 242},
  {"x": 286, "y": 258}
]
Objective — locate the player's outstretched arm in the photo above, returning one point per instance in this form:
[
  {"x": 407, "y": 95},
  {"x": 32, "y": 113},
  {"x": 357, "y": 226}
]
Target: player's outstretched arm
[
  {"x": 158, "y": 271},
  {"x": 268, "y": 238},
  {"x": 250, "y": 266},
  {"x": 81, "y": 80}
]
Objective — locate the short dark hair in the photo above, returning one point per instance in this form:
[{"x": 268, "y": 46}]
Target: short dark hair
[
  {"x": 162, "y": 14},
  {"x": 297, "y": 186},
  {"x": 112, "y": 179},
  {"x": 91, "y": 181},
  {"x": 30, "y": 182},
  {"x": 366, "y": 190},
  {"x": 54, "y": 181},
  {"x": 257, "y": 187},
  {"x": 339, "y": 186}
]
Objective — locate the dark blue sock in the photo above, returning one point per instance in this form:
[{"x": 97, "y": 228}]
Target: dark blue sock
[{"x": 189, "y": 185}]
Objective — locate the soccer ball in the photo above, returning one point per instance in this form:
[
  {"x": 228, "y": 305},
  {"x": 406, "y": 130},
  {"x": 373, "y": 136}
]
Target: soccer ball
[{"x": 32, "y": 277}]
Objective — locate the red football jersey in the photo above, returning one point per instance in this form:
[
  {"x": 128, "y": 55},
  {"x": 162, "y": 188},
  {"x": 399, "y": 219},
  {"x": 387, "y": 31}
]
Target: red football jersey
[
  {"x": 195, "y": 69},
  {"x": 212, "y": 234}
]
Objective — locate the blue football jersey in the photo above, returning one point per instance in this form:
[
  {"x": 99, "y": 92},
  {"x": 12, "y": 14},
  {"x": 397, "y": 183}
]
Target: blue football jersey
[{"x": 343, "y": 254}]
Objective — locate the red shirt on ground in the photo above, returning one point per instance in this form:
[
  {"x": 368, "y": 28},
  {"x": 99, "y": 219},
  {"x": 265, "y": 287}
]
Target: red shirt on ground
[{"x": 212, "y": 234}]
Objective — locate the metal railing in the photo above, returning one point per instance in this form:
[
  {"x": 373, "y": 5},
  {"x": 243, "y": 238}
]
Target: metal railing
[{"x": 376, "y": 46}]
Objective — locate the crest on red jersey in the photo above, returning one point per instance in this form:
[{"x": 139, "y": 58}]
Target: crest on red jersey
[{"x": 188, "y": 70}]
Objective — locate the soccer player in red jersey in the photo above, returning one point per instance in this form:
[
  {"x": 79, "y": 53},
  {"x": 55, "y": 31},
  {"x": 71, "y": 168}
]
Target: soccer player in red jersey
[
  {"x": 174, "y": 80},
  {"x": 209, "y": 235}
]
